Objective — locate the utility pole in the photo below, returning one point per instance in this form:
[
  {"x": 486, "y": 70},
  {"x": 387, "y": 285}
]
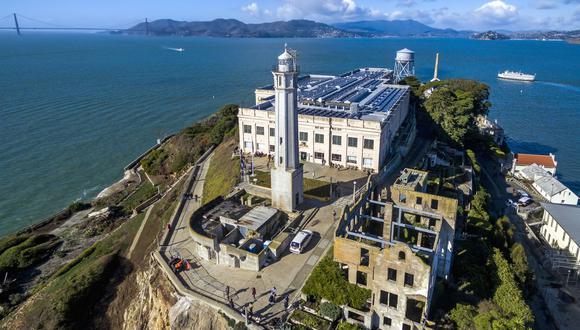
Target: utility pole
[
  {"x": 16, "y": 23},
  {"x": 146, "y": 26}
]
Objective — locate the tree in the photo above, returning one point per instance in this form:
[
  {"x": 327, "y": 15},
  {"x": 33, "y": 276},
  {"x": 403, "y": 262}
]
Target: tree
[
  {"x": 453, "y": 106},
  {"x": 463, "y": 316},
  {"x": 520, "y": 264},
  {"x": 508, "y": 296}
]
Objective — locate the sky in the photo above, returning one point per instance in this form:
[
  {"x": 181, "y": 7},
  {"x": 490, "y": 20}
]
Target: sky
[{"x": 515, "y": 15}]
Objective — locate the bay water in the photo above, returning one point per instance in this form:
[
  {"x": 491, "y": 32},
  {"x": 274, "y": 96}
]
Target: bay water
[{"x": 76, "y": 108}]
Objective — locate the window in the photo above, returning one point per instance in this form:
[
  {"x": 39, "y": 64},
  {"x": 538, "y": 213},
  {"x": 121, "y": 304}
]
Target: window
[
  {"x": 336, "y": 157},
  {"x": 419, "y": 201},
  {"x": 406, "y": 327},
  {"x": 303, "y": 136},
  {"x": 364, "y": 257},
  {"x": 434, "y": 204},
  {"x": 414, "y": 310},
  {"x": 368, "y": 144},
  {"x": 352, "y": 142},
  {"x": 318, "y": 155},
  {"x": 402, "y": 198},
  {"x": 337, "y": 140},
  {"x": 409, "y": 279},
  {"x": 355, "y": 316},
  {"x": 318, "y": 138},
  {"x": 248, "y": 145},
  {"x": 387, "y": 321},
  {"x": 351, "y": 159},
  {"x": 272, "y": 148},
  {"x": 247, "y": 129},
  {"x": 392, "y": 274},
  {"x": 272, "y": 131},
  {"x": 401, "y": 255},
  {"x": 361, "y": 278},
  {"x": 259, "y": 130},
  {"x": 261, "y": 147},
  {"x": 367, "y": 162},
  {"x": 389, "y": 299},
  {"x": 303, "y": 155}
]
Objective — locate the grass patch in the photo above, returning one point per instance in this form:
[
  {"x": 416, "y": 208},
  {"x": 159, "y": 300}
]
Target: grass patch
[
  {"x": 223, "y": 172},
  {"x": 145, "y": 191},
  {"x": 29, "y": 252},
  {"x": 313, "y": 188}
]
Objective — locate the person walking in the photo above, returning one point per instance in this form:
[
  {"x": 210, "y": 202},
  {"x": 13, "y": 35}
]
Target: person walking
[
  {"x": 254, "y": 293},
  {"x": 168, "y": 227},
  {"x": 228, "y": 292},
  {"x": 286, "y": 302},
  {"x": 273, "y": 291},
  {"x": 271, "y": 300}
]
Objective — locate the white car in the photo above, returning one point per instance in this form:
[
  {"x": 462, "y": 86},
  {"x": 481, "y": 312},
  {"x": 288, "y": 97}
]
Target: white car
[{"x": 300, "y": 241}]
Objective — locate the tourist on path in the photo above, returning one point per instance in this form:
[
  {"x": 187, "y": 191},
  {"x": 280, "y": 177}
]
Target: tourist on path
[
  {"x": 254, "y": 293},
  {"x": 286, "y": 302},
  {"x": 228, "y": 292},
  {"x": 273, "y": 291}
]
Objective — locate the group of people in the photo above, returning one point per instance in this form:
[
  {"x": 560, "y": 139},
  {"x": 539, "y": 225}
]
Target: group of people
[
  {"x": 248, "y": 310},
  {"x": 190, "y": 196}
]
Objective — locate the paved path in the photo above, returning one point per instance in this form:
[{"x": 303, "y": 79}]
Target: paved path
[{"x": 138, "y": 236}]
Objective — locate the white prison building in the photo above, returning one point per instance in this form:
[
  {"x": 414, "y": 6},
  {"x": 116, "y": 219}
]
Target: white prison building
[{"x": 349, "y": 120}]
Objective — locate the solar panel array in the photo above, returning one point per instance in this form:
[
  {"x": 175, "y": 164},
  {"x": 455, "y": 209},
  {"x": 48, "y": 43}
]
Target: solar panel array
[{"x": 331, "y": 96}]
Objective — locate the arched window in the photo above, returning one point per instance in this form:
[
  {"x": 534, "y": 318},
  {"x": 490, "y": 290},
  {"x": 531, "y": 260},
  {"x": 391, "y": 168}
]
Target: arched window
[{"x": 401, "y": 255}]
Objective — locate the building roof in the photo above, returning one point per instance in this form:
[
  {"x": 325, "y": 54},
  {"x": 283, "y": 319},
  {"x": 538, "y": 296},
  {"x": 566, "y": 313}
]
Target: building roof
[
  {"x": 360, "y": 94},
  {"x": 567, "y": 216},
  {"x": 550, "y": 185},
  {"x": 257, "y": 217},
  {"x": 534, "y": 172},
  {"x": 529, "y": 159}
]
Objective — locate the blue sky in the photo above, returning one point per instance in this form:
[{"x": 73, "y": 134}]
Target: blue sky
[{"x": 458, "y": 14}]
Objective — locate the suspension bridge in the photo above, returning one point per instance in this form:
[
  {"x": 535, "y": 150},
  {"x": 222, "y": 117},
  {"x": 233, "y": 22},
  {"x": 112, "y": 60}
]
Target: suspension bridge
[{"x": 35, "y": 24}]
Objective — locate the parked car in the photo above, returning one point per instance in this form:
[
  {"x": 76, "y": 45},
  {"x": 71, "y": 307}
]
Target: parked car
[
  {"x": 523, "y": 193},
  {"x": 525, "y": 201},
  {"x": 300, "y": 241}
]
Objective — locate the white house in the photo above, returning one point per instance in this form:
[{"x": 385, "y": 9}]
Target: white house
[
  {"x": 561, "y": 228},
  {"x": 554, "y": 191},
  {"x": 547, "y": 162}
]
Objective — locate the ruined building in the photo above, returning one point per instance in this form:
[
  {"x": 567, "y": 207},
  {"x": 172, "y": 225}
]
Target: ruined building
[{"x": 397, "y": 244}]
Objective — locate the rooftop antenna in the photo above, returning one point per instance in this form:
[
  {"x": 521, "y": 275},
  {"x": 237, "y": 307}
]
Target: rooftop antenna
[{"x": 436, "y": 72}]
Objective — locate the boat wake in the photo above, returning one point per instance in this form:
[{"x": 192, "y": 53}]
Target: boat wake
[
  {"x": 564, "y": 86},
  {"x": 175, "y": 49}
]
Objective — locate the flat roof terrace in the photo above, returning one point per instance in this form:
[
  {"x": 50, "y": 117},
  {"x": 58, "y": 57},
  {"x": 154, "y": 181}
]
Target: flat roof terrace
[{"x": 360, "y": 94}]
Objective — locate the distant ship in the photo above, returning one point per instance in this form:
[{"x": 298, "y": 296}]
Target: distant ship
[
  {"x": 179, "y": 49},
  {"x": 512, "y": 75}
]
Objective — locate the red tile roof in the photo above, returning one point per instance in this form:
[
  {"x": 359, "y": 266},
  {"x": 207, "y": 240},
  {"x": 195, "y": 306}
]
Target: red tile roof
[{"x": 529, "y": 159}]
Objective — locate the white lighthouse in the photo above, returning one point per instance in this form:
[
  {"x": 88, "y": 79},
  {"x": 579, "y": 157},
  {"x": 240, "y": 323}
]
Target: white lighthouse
[{"x": 286, "y": 176}]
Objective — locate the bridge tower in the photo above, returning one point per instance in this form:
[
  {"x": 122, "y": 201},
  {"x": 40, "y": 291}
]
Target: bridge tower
[{"x": 16, "y": 23}]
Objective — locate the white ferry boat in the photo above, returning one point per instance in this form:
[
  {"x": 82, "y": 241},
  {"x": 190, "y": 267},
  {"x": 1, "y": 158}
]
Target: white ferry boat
[{"x": 512, "y": 75}]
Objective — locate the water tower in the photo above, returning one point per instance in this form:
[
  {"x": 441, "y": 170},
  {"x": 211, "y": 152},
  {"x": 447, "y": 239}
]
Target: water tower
[{"x": 404, "y": 64}]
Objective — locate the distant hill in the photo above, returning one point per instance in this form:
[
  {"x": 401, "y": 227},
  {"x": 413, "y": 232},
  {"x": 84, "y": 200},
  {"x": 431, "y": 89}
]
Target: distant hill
[
  {"x": 546, "y": 35},
  {"x": 399, "y": 28},
  {"x": 489, "y": 35},
  {"x": 234, "y": 28}
]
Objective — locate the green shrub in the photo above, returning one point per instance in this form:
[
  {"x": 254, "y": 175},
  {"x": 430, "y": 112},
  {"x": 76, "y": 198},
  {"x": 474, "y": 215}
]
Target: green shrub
[
  {"x": 463, "y": 316},
  {"x": 309, "y": 320},
  {"x": 520, "y": 263},
  {"x": 327, "y": 281},
  {"x": 330, "y": 310},
  {"x": 343, "y": 325},
  {"x": 508, "y": 296},
  {"x": 78, "y": 206},
  {"x": 10, "y": 241},
  {"x": 29, "y": 252}
]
